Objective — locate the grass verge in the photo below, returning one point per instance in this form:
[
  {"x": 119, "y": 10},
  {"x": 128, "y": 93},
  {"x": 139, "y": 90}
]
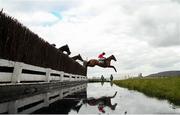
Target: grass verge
[{"x": 162, "y": 88}]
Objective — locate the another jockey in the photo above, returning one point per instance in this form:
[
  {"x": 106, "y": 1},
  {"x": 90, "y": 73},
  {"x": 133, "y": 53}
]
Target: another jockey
[{"x": 101, "y": 57}]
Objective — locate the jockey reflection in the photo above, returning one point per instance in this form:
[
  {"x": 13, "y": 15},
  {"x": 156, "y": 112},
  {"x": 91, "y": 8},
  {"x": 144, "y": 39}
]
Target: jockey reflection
[{"x": 101, "y": 102}]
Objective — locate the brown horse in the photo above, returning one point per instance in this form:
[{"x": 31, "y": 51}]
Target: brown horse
[{"x": 107, "y": 62}]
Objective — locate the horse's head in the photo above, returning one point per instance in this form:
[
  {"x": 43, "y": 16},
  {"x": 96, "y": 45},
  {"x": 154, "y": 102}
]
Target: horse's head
[
  {"x": 113, "y": 58},
  {"x": 65, "y": 48},
  {"x": 54, "y": 45}
]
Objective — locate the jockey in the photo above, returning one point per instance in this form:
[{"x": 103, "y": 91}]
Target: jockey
[{"x": 101, "y": 57}]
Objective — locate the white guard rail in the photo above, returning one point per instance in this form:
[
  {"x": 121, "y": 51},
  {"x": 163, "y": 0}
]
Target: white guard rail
[{"x": 16, "y": 72}]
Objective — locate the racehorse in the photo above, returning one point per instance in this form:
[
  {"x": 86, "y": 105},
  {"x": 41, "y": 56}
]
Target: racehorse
[
  {"x": 65, "y": 48},
  {"x": 77, "y": 57},
  {"x": 105, "y": 64}
]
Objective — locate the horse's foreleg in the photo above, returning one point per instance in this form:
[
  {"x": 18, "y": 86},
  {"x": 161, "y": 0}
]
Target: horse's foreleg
[{"x": 113, "y": 68}]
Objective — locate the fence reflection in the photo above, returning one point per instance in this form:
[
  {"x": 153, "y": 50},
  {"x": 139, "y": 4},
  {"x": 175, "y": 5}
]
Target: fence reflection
[{"x": 36, "y": 102}]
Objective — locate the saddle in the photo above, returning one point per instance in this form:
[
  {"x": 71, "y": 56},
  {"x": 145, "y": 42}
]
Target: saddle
[{"x": 102, "y": 61}]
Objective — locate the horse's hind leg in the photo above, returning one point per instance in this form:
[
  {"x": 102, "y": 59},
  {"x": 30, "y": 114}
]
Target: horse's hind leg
[{"x": 113, "y": 68}]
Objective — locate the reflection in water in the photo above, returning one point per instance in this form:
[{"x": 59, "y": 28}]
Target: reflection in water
[
  {"x": 101, "y": 102},
  {"x": 89, "y": 99},
  {"x": 57, "y": 101},
  {"x": 65, "y": 105},
  {"x": 49, "y": 102},
  {"x": 102, "y": 83},
  {"x": 111, "y": 83},
  {"x": 76, "y": 101}
]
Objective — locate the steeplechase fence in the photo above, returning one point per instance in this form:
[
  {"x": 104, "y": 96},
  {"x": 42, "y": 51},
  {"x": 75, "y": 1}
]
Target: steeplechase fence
[{"x": 25, "y": 48}]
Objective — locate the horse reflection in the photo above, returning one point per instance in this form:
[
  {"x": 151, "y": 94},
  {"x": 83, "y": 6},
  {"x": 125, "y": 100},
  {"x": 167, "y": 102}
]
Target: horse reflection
[
  {"x": 101, "y": 102},
  {"x": 77, "y": 108}
]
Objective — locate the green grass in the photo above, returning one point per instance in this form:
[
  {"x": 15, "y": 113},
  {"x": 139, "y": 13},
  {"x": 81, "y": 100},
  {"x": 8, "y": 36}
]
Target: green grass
[{"x": 163, "y": 88}]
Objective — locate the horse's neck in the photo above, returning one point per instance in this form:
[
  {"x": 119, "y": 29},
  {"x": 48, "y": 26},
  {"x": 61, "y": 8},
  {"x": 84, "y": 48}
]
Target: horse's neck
[
  {"x": 75, "y": 57},
  {"x": 109, "y": 58},
  {"x": 62, "y": 48}
]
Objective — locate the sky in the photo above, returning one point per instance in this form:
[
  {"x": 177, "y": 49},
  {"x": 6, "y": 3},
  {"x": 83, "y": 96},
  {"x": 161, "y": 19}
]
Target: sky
[{"x": 143, "y": 35}]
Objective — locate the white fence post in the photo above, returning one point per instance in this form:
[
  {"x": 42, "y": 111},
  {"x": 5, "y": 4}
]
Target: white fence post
[
  {"x": 61, "y": 94},
  {"x": 70, "y": 77},
  {"x": 76, "y": 78},
  {"x": 17, "y": 72},
  {"x": 48, "y": 72},
  {"x": 46, "y": 99},
  {"x": 81, "y": 77},
  {"x": 12, "y": 108},
  {"x": 62, "y": 76}
]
